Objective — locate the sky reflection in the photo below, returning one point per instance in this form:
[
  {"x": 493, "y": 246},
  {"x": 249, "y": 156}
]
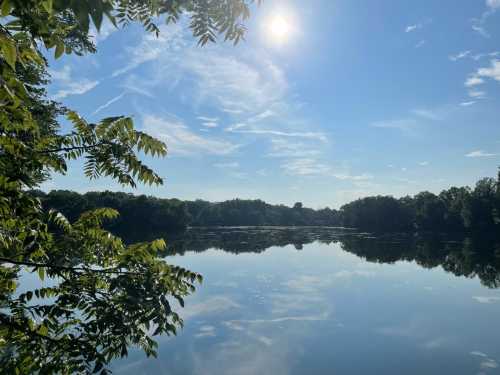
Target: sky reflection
[{"x": 322, "y": 310}]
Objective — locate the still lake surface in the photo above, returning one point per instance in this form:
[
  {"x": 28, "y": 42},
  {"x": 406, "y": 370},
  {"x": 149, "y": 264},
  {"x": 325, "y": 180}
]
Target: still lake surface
[{"x": 329, "y": 301}]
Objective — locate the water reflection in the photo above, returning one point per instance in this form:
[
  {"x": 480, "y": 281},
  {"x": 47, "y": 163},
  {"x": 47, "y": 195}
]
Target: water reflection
[
  {"x": 320, "y": 301},
  {"x": 469, "y": 257}
]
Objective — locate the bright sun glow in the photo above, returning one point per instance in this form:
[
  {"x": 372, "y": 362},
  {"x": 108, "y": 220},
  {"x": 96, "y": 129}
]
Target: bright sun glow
[{"x": 279, "y": 29}]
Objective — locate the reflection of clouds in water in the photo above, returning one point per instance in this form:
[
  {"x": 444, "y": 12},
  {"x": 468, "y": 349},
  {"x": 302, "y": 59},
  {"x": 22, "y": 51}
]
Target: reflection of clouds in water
[
  {"x": 478, "y": 354},
  {"x": 485, "y": 299},
  {"x": 416, "y": 328},
  {"x": 310, "y": 318},
  {"x": 285, "y": 303},
  {"x": 486, "y": 363},
  {"x": 214, "y": 304},
  {"x": 265, "y": 340},
  {"x": 236, "y": 358},
  {"x": 438, "y": 342},
  {"x": 310, "y": 283}
]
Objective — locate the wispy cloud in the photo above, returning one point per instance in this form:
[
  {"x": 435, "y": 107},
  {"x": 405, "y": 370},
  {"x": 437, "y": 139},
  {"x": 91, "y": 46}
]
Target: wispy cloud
[
  {"x": 248, "y": 87},
  {"x": 310, "y": 135},
  {"x": 209, "y": 124},
  {"x": 283, "y": 148},
  {"x": 492, "y": 72},
  {"x": 413, "y": 27},
  {"x": 479, "y": 77},
  {"x": 476, "y": 94},
  {"x": 480, "y": 154},
  {"x": 423, "y": 163},
  {"x": 305, "y": 167},
  {"x": 233, "y": 164},
  {"x": 460, "y": 55},
  {"x": 182, "y": 141},
  {"x": 68, "y": 85},
  {"x": 478, "y": 24},
  {"x": 420, "y": 44},
  {"x": 404, "y": 124},
  {"x": 208, "y": 119},
  {"x": 151, "y": 47},
  {"x": 313, "y": 167},
  {"x": 427, "y": 114},
  {"x": 109, "y": 102},
  {"x": 467, "y": 104},
  {"x": 473, "y": 80}
]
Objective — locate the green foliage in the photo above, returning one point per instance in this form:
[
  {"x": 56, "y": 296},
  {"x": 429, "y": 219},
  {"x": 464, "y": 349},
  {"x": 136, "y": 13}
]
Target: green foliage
[
  {"x": 453, "y": 210},
  {"x": 97, "y": 295}
]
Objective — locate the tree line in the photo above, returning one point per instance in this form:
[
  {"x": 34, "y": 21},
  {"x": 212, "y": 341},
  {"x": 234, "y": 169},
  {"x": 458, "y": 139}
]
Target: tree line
[
  {"x": 474, "y": 256},
  {"x": 455, "y": 210}
]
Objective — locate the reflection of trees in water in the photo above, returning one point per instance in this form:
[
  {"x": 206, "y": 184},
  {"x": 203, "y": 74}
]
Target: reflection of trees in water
[{"x": 467, "y": 257}]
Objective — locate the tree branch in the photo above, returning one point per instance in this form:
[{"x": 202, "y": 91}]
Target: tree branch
[{"x": 67, "y": 268}]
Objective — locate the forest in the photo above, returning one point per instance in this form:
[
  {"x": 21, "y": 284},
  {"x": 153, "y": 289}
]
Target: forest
[{"x": 455, "y": 210}]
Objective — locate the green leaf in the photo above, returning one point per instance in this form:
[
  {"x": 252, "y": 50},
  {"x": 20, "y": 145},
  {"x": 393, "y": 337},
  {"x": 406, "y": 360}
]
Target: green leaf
[
  {"x": 47, "y": 5},
  {"x": 6, "y": 7},
  {"x": 59, "y": 50},
  {"x": 9, "y": 52}
]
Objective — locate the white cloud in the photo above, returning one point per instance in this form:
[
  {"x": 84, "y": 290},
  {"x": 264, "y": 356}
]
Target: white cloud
[
  {"x": 493, "y": 72},
  {"x": 182, "y": 141},
  {"x": 420, "y": 44},
  {"x": 305, "y": 167},
  {"x": 205, "y": 331},
  {"x": 209, "y": 124},
  {"x": 460, "y": 55},
  {"x": 361, "y": 177},
  {"x": 473, "y": 80},
  {"x": 467, "y": 104},
  {"x": 414, "y": 27},
  {"x": 151, "y": 47},
  {"x": 404, "y": 124},
  {"x": 478, "y": 23},
  {"x": 427, "y": 114},
  {"x": 312, "y": 167},
  {"x": 233, "y": 164},
  {"x": 477, "y": 94},
  {"x": 479, "y": 154},
  {"x": 310, "y": 135},
  {"x": 283, "y": 148},
  {"x": 248, "y": 88},
  {"x": 480, "y": 30},
  {"x": 423, "y": 163},
  {"x": 69, "y": 85},
  {"x": 108, "y": 103},
  {"x": 493, "y": 4},
  {"x": 208, "y": 119},
  {"x": 107, "y": 28}
]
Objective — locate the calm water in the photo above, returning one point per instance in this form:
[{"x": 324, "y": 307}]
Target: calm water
[{"x": 323, "y": 301}]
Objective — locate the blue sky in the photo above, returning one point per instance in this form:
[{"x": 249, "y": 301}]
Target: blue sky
[{"x": 356, "y": 98}]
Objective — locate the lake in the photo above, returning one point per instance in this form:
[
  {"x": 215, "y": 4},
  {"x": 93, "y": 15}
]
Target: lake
[{"x": 331, "y": 301}]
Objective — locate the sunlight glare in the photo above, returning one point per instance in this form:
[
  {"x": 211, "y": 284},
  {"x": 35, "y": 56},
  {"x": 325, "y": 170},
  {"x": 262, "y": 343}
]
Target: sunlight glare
[{"x": 279, "y": 28}]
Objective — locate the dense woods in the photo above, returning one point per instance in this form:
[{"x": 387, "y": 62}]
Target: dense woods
[{"x": 454, "y": 210}]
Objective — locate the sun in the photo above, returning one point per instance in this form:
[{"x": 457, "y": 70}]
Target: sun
[{"x": 279, "y": 28}]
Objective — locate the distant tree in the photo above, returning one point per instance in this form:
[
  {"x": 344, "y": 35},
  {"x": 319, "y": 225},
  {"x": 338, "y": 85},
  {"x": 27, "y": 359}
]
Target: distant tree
[
  {"x": 429, "y": 212},
  {"x": 297, "y": 206}
]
